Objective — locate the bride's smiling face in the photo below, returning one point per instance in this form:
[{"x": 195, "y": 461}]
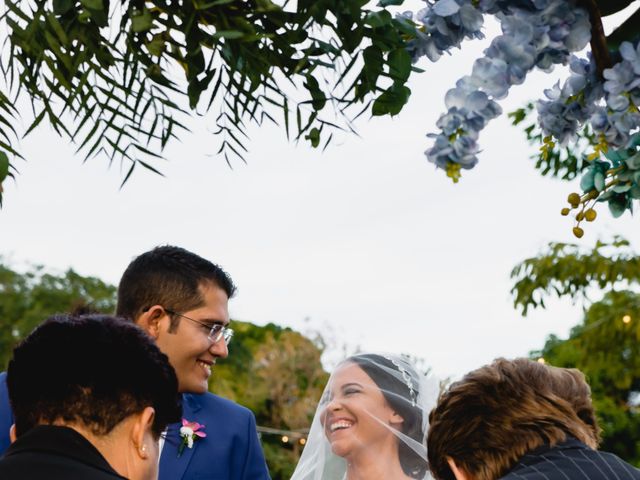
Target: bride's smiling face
[{"x": 356, "y": 414}]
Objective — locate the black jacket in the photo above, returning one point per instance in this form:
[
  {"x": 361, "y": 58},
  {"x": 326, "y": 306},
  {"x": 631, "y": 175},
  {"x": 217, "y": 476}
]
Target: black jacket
[
  {"x": 54, "y": 453},
  {"x": 571, "y": 460}
]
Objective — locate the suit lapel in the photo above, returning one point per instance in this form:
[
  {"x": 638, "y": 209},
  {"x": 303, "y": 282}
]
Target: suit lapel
[{"x": 172, "y": 466}]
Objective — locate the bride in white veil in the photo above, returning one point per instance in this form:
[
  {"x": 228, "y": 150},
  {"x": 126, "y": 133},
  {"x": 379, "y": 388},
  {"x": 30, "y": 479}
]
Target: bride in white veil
[{"x": 371, "y": 422}]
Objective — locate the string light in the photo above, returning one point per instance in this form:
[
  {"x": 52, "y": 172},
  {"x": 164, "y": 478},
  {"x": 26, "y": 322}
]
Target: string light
[
  {"x": 626, "y": 319},
  {"x": 303, "y": 441},
  {"x": 542, "y": 360},
  {"x": 285, "y": 439}
]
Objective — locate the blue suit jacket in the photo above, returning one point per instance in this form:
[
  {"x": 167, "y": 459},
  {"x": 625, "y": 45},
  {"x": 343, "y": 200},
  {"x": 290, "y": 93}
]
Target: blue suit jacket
[
  {"x": 571, "y": 460},
  {"x": 6, "y": 416},
  {"x": 231, "y": 450}
]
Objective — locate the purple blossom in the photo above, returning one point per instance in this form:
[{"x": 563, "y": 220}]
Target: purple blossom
[
  {"x": 621, "y": 78},
  {"x": 446, "y": 8},
  {"x": 631, "y": 55},
  {"x": 568, "y": 108},
  {"x": 462, "y": 151},
  {"x": 614, "y": 126},
  {"x": 491, "y": 76},
  {"x": 518, "y": 57},
  {"x": 445, "y": 24},
  {"x": 452, "y": 121},
  {"x": 553, "y": 116},
  {"x": 618, "y": 103}
]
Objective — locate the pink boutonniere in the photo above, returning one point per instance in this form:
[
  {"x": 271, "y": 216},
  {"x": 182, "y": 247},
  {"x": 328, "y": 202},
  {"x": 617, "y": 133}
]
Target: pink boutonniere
[{"x": 190, "y": 432}]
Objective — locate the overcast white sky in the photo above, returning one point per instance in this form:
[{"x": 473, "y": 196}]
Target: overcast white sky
[{"x": 366, "y": 240}]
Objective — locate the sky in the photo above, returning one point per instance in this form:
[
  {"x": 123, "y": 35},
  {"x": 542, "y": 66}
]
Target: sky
[{"x": 366, "y": 242}]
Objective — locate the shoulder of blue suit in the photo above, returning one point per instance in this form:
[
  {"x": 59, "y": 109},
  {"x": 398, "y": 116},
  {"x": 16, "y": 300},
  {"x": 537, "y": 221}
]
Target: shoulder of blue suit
[
  {"x": 6, "y": 416},
  {"x": 231, "y": 450}
]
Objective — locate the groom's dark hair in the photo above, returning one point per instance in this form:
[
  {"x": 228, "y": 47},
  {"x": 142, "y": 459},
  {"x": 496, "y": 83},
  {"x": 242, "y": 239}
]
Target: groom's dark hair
[
  {"x": 168, "y": 276},
  {"x": 91, "y": 370},
  {"x": 496, "y": 414}
]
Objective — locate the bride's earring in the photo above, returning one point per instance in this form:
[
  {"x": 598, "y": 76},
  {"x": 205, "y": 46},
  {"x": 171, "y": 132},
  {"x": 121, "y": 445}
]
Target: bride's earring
[{"x": 143, "y": 451}]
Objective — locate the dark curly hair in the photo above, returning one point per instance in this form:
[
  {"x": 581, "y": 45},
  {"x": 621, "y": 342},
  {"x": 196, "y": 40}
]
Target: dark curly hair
[
  {"x": 94, "y": 370},
  {"x": 399, "y": 397}
]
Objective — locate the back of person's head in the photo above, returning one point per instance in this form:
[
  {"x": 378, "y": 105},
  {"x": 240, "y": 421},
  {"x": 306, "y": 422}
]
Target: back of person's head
[
  {"x": 569, "y": 384},
  {"x": 399, "y": 383},
  {"x": 93, "y": 371},
  {"x": 168, "y": 276},
  {"x": 496, "y": 414}
]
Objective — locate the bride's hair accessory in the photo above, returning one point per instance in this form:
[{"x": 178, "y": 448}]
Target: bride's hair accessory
[{"x": 406, "y": 377}]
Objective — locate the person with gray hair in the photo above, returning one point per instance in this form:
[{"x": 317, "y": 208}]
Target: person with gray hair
[{"x": 519, "y": 420}]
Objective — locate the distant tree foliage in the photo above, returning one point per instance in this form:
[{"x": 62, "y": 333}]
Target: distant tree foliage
[
  {"x": 27, "y": 298},
  {"x": 277, "y": 373},
  {"x": 568, "y": 270}
]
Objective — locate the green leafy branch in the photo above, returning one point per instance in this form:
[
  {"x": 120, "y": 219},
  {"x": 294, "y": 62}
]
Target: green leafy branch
[
  {"x": 121, "y": 80},
  {"x": 566, "y": 270}
]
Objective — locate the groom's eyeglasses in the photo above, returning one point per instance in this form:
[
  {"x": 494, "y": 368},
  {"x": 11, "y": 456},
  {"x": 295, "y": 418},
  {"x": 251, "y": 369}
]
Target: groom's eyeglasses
[{"x": 216, "y": 331}]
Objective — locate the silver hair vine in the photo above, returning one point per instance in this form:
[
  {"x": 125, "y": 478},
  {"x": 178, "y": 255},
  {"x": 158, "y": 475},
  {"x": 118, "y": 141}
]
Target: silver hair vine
[{"x": 406, "y": 377}]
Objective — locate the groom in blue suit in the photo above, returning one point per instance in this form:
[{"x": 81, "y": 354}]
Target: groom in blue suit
[{"x": 181, "y": 300}]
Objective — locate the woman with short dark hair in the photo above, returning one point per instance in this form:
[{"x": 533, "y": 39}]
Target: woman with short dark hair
[{"x": 91, "y": 396}]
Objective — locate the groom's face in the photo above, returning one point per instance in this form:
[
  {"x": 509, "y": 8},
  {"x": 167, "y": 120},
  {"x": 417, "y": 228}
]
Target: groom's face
[{"x": 191, "y": 353}]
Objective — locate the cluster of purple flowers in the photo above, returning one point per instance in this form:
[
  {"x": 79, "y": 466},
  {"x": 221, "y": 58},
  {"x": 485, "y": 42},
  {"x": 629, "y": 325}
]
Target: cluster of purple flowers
[
  {"x": 610, "y": 107},
  {"x": 444, "y": 25},
  {"x": 566, "y": 109},
  {"x": 622, "y": 98},
  {"x": 535, "y": 33}
]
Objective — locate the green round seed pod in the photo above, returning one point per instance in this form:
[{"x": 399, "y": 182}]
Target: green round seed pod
[{"x": 574, "y": 199}]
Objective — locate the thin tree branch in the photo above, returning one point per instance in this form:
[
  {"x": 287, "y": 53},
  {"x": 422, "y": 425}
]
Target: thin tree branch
[{"x": 599, "y": 47}]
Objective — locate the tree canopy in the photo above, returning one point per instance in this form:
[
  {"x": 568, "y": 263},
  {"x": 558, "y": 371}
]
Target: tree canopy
[
  {"x": 30, "y": 297},
  {"x": 568, "y": 270},
  {"x": 119, "y": 78}
]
